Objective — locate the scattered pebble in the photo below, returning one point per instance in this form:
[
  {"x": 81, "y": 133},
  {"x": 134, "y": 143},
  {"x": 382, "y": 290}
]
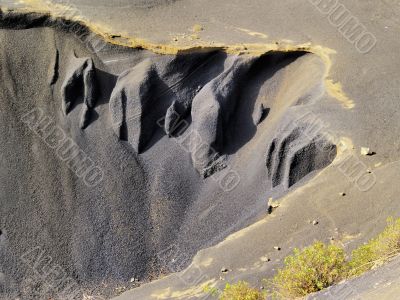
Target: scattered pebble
[
  {"x": 224, "y": 270},
  {"x": 265, "y": 259},
  {"x": 315, "y": 222},
  {"x": 272, "y": 203},
  {"x": 277, "y": 248},
  {"x": 366, "y": 151}
]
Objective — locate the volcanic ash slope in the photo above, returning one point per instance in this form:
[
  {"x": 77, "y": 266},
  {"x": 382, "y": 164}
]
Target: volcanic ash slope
[{"x": 175, "y": 151}]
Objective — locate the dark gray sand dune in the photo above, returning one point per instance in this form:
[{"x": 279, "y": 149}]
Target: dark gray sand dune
[
  {"x": 107, "y": 165},
  {"x": 121, "y": 165}
]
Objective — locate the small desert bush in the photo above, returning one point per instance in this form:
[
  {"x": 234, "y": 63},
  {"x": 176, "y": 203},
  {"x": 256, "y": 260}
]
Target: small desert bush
[
  {"x": 319, "y": 266},
  {"x": 377, "y": 250},
  {"x": 240, "y": 291},
  {"x": 310, "y": 270}
]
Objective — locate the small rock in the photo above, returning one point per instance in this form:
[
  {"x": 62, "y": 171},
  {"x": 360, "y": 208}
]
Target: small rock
[
  {"x": 277, "y": 248},
  {"x": 265, "y": 259},
  {"x": 366, "y": 151},
  {"x": 261, "y": 287},
  {"x": 272, "y": 205},
  {"x": 332, "y": 238},
  {"x": 133, "y": 279},
  {"x": 315, "y": 222},
  {"x": 224, "y": 270},
  {"x": 275, "y": 204},
  {"x": 342, "y": 194}
]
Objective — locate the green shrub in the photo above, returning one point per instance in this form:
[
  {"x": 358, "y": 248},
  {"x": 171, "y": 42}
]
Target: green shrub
[
  {"x": 213, "y": 291},
  {"x": 377, "y": 250},
  {"x": 240, "y": 291},
  {"x": 310, "y": 270},
  {"x": 319, "y": 266}
]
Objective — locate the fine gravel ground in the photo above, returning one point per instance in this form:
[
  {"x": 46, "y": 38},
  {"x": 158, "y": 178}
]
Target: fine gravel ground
[
  {"x": 109, "y": 166},
  {"x": 199, "y": 137}
]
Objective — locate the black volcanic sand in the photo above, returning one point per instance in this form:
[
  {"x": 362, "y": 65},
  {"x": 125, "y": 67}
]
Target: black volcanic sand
[{"x": 184, "y": 150}]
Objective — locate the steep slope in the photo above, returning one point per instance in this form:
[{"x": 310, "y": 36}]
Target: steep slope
[{"x": 111, "y": 159}]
